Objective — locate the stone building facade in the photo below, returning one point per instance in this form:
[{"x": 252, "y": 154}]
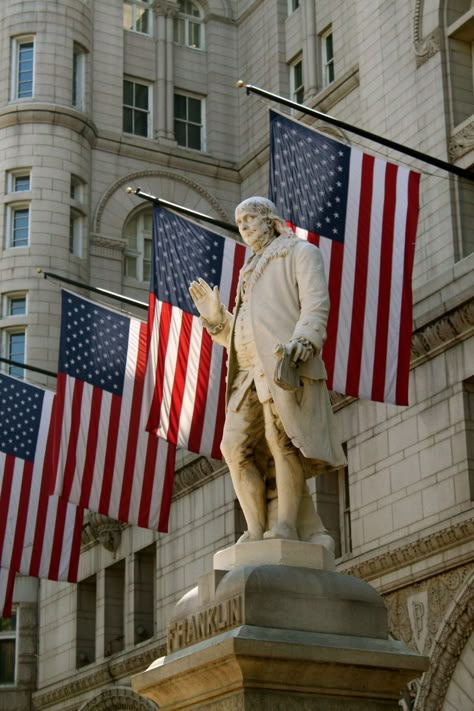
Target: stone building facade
[{"x": 96, "y": 97}]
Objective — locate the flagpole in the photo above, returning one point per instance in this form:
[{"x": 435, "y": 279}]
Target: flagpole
[
  {"x": 185, "y": 210},
  {"x": 17, "y": 364},
  {"x": 95, "y": 289},
  {"x": 449, "y": 167}
]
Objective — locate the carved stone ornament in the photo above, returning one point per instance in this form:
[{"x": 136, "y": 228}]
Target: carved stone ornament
[
  {"x": 448, "y": 645},
  {"x": 120, "y": 698},
  {"x": 413, "y": 552},
  {"x": 194, "y": 474},
  {"x": 103, "y": 529},
  {"x": 425, "y": 47},
  {"x": 442, "y": 331},
  {"x": 167, "y": 8},
  {"x": 134, "y": 178},
  {"x": 461, "y": 142},
  {"x": 100, "y": 675}
]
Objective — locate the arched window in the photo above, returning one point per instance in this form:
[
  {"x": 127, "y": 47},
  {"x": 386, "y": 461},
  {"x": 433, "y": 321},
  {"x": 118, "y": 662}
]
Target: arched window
[
  {"x": 188, "y": 25},
  {"x": 137, "y": 256}
]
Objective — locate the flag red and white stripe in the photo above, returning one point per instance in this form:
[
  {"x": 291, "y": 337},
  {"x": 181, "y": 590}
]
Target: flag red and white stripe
[
  {"x": 185, "y": 381},
  {"x": 108, "y": 463},
  {"x": 362, "y": 213},
  {"x": 39, "y": 534}
]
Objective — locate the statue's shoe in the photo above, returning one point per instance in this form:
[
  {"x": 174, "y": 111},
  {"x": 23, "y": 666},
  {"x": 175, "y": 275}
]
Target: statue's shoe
[
  {"x": 282, "y": 530},
  {"x": 323, "y": 538},
  {"x": 247, "y": 537}
]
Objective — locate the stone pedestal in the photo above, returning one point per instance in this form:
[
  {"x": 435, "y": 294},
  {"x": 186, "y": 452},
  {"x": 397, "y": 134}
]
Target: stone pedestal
[{"x": 279, "y": 637}]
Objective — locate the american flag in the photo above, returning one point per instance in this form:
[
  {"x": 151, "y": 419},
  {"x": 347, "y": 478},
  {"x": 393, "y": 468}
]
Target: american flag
[
  {"x": 362, "y": 213},
  {"x": 7, "y": 584},
  {"x": 108, "y": 463},
  {"x": 186, "y": 372},
  {"x": 39, "y": 534}
]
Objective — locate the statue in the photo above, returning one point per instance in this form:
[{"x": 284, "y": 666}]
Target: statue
[{"x": 279, "y": 422}]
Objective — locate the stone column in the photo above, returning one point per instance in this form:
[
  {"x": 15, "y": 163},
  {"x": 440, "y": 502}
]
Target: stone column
[
  {"x": 165, "y": 11},
  {"x": 274, "y": 628},
  {"x": 310, "y": 49}
]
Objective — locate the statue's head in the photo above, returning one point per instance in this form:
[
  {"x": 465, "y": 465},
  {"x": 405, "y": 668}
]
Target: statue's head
[{"x": 258, "y": 222}]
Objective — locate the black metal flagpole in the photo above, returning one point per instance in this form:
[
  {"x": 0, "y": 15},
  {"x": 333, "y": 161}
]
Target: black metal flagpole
[
  {"x": 35, "y": 369},
  {"x": 185, "y": 210},
  {"x": 449, "y": 167},
  {"x": 95, "y": 289}
]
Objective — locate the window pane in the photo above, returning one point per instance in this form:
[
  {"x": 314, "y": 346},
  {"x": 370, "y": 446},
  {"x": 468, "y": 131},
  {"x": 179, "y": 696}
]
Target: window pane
[
  {"x": 194, "y": 110},
  {"x": 25, "y": 70},
  {"x": 329, "y": 49},
  {"x": 128, "y": 93},
  {"x": 7, "y": 661},
  {"x": 141, "y": 96},
  {"x": 194, "y": 137},
  {"x": 179, "y": 106},
  {"x": 179, "y": 30},
  {"x": 20, "y": 228},
  {"x": 17, "y": 306},
  {"x": 21, "y": 182},
  {"x": 142, "y": 23},
  {"x": 180, "y": 132},
  {"x": 140, "y": 123},
  {"x": 330, "y": 72},
  {"x": 194, "y": 34},
  {"x": 17, "y": 346},
  {"x": 298, "y": 74},
  {"x": 128, "y": 120},
  {"x": 8, "y": 624},
  {"x": 131, "y": 267}
]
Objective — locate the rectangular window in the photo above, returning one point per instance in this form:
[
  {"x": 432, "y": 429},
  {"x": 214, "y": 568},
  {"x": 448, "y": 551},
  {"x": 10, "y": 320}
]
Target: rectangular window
[
  {"x": 144, "y": 594},
  {"x": 86, "y": 621},
  {"x": 75, "y": 233},
  {"x": 114, "y": 610},
  {"x": 19, "y": 226},
  {"x": 15, "y": 305},
  {"x": 15, "y": 348},
  {"x": 188, "y": 122},
  {"x": 137, "y": 16},
  {"x": 136, "y": 112},
  {"x": 296, "y": 81},
  {"x": 23, "y": 54},
  {"x": 327, "y": 62},
  {"x": 18, "y": 180},
  {"x": 78, "y": 77},
  {"x": 7, "y": 650},
  {"x": 21, "y": 183}
]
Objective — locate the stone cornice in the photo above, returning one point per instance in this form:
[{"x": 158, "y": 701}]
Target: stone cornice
[
  {"x": 440, "y": 334},
  {"x": 413, "y": 552},
  {"x": 53, "y": 114},
  {"x": 195, "y": 474},
  {"x": 99, "y": 240},
  {"x": 98, "y": 675}
]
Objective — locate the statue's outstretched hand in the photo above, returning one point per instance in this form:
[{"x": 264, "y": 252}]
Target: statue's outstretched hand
[{"x": 207, "y": 301}]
